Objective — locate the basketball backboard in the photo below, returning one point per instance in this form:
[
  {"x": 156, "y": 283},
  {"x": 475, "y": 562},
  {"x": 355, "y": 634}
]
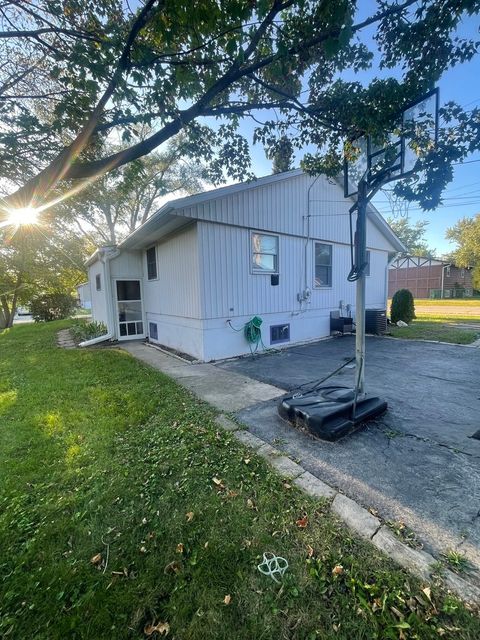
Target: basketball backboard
[{"x": 396, "y": 155}]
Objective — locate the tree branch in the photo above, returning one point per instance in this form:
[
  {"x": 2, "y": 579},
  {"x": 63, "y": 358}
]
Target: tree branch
[{"x": 64, "y": 168}]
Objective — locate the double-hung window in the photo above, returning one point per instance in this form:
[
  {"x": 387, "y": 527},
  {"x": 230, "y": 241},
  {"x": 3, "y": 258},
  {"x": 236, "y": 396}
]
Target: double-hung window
[
  {"x": 98, "y": 282},
  {"x": 264, "y": 253},
  {"x": 151, "y": 263},
  {"x": 323, "y": 265}
]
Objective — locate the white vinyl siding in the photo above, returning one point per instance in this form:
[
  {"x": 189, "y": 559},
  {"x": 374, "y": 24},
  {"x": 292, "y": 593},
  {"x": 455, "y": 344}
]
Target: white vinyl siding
[
  {"x": 281, "y": 208},
  {"x": 230, "y": 291},
  {"x": 177, "y": 291}
]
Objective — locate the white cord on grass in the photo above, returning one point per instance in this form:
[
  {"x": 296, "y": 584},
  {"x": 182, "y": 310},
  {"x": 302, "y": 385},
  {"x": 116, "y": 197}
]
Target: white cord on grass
[{"x": 273, "y": 565}]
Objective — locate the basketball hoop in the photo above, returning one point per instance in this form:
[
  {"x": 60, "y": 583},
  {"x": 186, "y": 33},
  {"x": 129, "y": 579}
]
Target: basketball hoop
[{"x": 332, "y": 412}]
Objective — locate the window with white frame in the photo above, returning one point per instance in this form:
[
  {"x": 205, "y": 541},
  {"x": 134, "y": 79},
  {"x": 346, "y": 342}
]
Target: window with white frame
[
  {"x": 264, "y": 253},
  {"x": 98, "y": 282},
  {"x": 323, "y": 265},
  {"x": 151, "y": 263}
]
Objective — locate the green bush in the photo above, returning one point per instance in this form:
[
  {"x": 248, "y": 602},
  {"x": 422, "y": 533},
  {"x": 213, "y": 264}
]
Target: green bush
[
  {"x": 403, "y": 307},
  {"x": 82, "y": 330},
  {"x": 53, "y": 306}
]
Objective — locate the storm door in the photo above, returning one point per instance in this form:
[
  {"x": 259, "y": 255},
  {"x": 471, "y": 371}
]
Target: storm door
[{"x": 129, "y": 309}]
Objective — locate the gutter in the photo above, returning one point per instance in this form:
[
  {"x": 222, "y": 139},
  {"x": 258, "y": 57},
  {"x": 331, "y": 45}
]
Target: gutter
[{"x": 106, "y": 254}]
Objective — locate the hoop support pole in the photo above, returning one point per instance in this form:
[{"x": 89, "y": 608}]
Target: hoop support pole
[{"x": 360, "y": 259}]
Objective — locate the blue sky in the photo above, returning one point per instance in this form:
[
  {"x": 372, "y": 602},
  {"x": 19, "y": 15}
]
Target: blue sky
[{"x": 462, "y": 196}]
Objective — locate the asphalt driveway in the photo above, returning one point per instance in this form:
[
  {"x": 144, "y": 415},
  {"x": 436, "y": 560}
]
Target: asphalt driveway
[{"x": 418, "y": 464}]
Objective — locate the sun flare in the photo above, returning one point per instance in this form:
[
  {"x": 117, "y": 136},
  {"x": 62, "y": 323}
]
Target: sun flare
[{"x": 23, "y": 216}]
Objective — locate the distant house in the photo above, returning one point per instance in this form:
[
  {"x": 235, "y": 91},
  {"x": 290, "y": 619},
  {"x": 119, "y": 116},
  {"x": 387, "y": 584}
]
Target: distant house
[
  {"x": 84, "y": 295},
  {"x": 203, "y": 266},
  {"x": 429, "y": 278}
]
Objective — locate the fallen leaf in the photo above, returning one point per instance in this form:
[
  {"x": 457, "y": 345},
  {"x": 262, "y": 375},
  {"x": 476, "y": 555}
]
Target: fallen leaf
[
  {"x": 143, "y": 549},
  {"x": 310, "y": 551},
  {"x": 286, "y": 485},
  {"x": 250, "y": 504},
  {"x": 302, "y": 522},
  {"x": 162, "y": 628},
  {"x": 189, "y": 516},
  {"x": 227, "y": 599},
  {"x": 377, "y": 604},
  {"x": 428, "y": 592},
  {"x": 96, "y": 559},
  {"x": 232, "y": 494},
  {"x": 173, "y": 567},
  {"x": 246, "y": 460},
  {"x": 219, "y": 483},
  {"x": 206, "y": 545},
  {"x": 398, "y": 613},
  {"x": 337, "y": 570},
  {"x": 179, "y": 547}
]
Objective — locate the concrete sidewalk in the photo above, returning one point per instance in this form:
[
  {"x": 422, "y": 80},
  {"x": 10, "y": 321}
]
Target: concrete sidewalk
[{"x": 227, "y": 391}]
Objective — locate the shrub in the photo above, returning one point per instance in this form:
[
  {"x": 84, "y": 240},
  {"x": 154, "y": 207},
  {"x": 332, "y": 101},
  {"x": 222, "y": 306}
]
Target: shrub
[
  {"x": 52, "y": 306},
  {"x": 87, "y": 330},
  {"x": 402, "y": 306}
]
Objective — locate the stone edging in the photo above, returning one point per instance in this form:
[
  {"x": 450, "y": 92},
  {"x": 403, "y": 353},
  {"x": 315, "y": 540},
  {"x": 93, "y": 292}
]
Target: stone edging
[{"x": 353, "y": 515}]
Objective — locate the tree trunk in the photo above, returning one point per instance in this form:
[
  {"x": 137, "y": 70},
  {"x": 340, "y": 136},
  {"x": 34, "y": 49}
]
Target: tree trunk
[
  {"x": 7, "y": 311},
  {"x": 6, "y": 314}
]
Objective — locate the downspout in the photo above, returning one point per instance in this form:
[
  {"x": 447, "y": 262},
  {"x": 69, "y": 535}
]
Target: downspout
[
  {"x": 443, "y": 280},
  {"x": 108, "y": 254}
]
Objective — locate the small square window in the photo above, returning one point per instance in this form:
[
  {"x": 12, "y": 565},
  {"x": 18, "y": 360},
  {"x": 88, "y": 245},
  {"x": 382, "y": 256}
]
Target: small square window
[
  {"x": 98, "y": 282},
  {"x": 264, "y": 253},
  {"x": 323, "y": 265},
  {"x": 279, "y": 333},
  {"x": 153, "y": 330},
  {"x": 151, "y": 263}
]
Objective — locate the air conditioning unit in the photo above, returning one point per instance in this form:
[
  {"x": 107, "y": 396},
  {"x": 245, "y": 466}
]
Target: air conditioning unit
[{"x": 375, "y": 321}]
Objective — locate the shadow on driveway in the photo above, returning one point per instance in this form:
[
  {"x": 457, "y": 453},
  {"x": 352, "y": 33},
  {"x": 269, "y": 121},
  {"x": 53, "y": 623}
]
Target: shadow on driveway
[{"x": 418, "y": 463}]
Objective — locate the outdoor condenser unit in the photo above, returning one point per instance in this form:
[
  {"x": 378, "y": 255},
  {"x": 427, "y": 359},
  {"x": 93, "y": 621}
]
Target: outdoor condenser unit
[{"x": 375, "y": 321}]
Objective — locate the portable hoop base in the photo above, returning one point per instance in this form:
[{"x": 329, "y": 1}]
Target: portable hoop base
[{"x": 330, "y": 412}]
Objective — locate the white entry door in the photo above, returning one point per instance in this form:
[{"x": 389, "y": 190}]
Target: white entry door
[{"x": 129, "y": 309}]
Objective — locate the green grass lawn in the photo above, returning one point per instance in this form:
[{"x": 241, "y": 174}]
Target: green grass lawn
[
  {"x": 432, "y": 327},
  {"x": 122, "y": 506},
  {"x": 448, "y": 302}
]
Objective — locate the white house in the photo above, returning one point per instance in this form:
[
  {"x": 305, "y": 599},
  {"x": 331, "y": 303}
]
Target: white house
[
  {"x": 201, "y": 266},
  {"x": 84, "y": 295}
]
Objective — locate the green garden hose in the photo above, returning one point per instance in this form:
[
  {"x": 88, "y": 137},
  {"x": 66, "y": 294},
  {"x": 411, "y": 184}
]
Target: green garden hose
[{"x": 252, "y": 330}]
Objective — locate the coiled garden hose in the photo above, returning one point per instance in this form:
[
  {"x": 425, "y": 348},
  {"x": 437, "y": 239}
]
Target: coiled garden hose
[{"x": 252, "y": 330}]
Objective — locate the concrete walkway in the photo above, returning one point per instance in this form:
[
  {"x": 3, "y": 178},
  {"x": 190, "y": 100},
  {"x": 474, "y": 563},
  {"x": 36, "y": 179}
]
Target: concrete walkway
[
  {"x": 232, "y": 392},
  {"x": 228, "y": 391}
]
